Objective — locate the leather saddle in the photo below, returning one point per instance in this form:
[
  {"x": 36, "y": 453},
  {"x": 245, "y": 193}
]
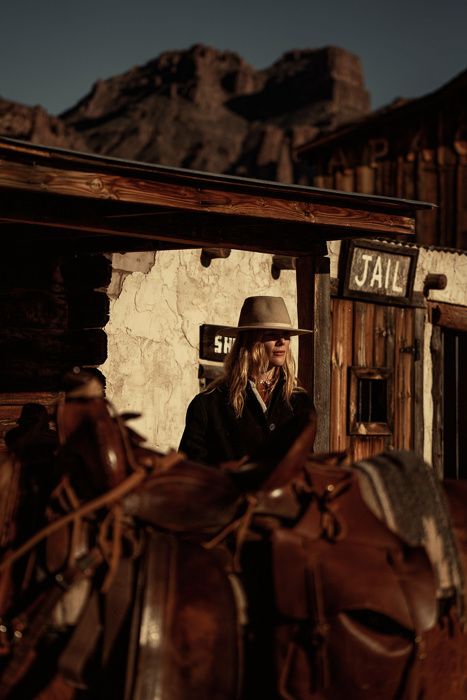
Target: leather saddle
[{"x": 352, "y": 601}]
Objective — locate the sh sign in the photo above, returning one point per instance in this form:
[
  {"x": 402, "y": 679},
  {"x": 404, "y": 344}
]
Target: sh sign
[
  {"x": 215, "y": 342},
  {"x": 379, "y": 272}
]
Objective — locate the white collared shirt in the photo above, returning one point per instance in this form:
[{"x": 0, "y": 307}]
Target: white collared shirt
[{"x": 258, "y": 396}]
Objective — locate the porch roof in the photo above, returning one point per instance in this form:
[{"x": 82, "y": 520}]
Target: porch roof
[{"x": 82, "y": 202}]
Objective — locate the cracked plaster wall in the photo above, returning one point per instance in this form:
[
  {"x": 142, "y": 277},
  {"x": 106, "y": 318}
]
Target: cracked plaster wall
[{"x": 158, "y": 302}]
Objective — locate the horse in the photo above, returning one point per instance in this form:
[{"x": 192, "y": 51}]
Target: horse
[{"x": 156, "y": 577}]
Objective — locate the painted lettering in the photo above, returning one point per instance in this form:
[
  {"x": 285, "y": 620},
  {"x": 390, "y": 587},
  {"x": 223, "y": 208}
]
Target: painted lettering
[
  {"x": 218, "y": 344},
  {"x": 377, "y": 275},
  {"x": 228, "y": 342},
  {"x": 388, "y": 270},
  {"x": 395, "y": 287},
  {"x": 361, "y": 281}
]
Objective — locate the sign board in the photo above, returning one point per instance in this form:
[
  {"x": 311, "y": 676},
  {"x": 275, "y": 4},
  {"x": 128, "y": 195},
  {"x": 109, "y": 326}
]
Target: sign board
[
  {"x": 215, "y": 342},
  {"x": 378, "y": 271}
]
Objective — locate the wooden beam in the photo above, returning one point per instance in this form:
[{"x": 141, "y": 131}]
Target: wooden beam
[
  {"x": 41, "y": 240},
  {"x": 353, "y": 215},
  {"x": 314, "y": 363},
  {"x": 447, "y": 315},
  {"x": 53, "y": 218}
]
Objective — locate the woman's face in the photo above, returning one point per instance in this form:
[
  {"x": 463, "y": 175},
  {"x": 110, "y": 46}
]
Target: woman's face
[{"x": 276, "y": 345}]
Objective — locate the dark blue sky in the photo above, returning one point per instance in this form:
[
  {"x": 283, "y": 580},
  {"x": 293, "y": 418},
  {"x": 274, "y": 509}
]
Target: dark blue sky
[{"x": 52, "y": 51}]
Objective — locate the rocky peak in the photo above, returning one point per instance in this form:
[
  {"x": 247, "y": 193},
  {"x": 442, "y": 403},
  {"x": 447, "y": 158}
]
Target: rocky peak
[
  {"x": 38, "y": 126},
  {"x": 210, "y": 110},
  {"x": 207, "y": 109}
]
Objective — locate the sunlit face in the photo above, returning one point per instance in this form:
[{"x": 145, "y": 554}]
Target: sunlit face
[{"x": 276, "y": 345}]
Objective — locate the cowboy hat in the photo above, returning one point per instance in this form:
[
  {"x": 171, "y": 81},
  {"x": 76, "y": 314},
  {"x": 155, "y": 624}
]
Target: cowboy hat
[{"x": 268, "y": 313}]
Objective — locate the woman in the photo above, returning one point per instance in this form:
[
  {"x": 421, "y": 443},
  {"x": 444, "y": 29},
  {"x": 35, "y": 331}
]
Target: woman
[{"x": 257, "y": 394}]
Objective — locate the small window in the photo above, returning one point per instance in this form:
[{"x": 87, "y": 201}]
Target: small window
[
  {"x": 369, "y": 401},
  {"x": 372, "y": 400}
]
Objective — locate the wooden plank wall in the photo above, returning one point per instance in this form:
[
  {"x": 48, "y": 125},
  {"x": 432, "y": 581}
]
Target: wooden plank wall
[
  {"x": 372, "y": 335},
  {"x": 313, "y": 306},
  {"x": 403, "y": 378},
  {"x": 341, "y": 360},
  {"x": 12, "y": 403},
  {"x": 424, "y": 160},
  {"x": 52, "y": 312}
]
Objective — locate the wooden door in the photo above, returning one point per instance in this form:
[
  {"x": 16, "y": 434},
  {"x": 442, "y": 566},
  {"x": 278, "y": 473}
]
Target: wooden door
[{"x": 373, "y": 356}]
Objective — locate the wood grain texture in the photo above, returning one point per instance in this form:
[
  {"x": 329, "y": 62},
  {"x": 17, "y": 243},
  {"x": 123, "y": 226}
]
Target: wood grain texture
[
  {"x": 313, "y": 303},
  {"x": 12, "y": 403},
  {"x": 341, "y": 360},
  {"x": 369, "y": 338},
  {"x": 447, "y": 315},
  {"x": 403, "y": 378},
  {"x": 356, "y": 216},
  {"x": 437, "y": 394},
  {"x": 418, "y": 416}
]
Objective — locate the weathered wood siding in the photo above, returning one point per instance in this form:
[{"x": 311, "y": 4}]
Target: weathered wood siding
[
  {"x": 367, "y": 335},
  {"x": 52, "y": 312},
  {"x": 415, "y": 150}
]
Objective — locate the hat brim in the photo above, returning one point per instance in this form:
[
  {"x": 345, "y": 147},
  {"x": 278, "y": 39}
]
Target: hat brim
[{"x": 272, "y": 327}]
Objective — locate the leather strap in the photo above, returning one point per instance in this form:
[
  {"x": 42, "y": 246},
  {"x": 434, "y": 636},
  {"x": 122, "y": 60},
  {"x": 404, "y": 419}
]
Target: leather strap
[
  {"x": 32, "y": 623},
  {"x": 79, "y": 649},
  {"x": 117, "y": 603}
]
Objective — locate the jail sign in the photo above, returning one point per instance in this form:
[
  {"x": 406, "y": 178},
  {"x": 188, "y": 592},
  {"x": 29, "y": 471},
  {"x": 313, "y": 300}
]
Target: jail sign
[
  {"x": 215, "y": 342},
  {"x": 381, "y": 271}
]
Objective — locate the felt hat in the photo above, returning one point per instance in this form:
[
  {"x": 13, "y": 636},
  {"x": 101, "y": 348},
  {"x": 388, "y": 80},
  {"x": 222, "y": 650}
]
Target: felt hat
[{"x": 266, "y": 313}]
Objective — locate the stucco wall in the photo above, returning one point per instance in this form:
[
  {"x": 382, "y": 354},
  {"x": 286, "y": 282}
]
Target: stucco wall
[{"x": 158, "y": 303}]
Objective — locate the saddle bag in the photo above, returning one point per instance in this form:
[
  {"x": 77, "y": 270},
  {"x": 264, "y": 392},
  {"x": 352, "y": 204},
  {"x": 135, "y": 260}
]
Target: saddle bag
[{"x": 352, "y": 600}]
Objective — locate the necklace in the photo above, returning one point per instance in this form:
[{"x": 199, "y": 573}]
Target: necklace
[{"x": 265, "y": 387}]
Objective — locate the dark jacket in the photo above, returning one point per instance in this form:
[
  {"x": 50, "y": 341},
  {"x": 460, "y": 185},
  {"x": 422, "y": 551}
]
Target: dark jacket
[{"x": 214, "y": 434}]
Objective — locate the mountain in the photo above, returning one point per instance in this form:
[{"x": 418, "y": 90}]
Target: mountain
[
  {"x": 38, "y": 126},
  {"x": 206, "y": 109},
  {"x": 210, "y": 110}
]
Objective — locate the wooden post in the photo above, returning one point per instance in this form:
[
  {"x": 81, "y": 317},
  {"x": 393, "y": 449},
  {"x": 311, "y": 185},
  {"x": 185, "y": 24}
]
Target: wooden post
[
  {"x": 314, "y": 312},
  {"x": 437, "y": 393},
  {"x": 418, "y": 425}
]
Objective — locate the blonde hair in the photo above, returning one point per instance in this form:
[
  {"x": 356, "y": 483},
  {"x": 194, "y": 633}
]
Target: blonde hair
[{"x": 247, "y": 360}]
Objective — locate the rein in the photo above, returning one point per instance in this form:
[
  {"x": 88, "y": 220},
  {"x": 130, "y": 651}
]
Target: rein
[{"x": 105, "y": 499}]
